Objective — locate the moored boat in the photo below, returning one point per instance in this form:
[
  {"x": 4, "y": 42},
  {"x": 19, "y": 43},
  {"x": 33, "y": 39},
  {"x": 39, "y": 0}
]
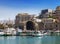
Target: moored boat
[{"x": 1, "y": 33}]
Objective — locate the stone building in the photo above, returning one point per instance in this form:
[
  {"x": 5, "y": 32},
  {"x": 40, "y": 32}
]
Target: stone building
[
  {"x": 50, "y": 19},
  {"x": 57, "y": 13},
  {"x": 47, "y": 20},
  {"x": 23, "y": 20}
]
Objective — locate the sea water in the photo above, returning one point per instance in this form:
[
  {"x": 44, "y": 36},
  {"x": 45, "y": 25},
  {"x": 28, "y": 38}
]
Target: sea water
[{"x": 29, "y": 40}]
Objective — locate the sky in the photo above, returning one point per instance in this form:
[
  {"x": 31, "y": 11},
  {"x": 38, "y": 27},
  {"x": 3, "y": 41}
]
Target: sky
[{"x": 10, "y": 8}]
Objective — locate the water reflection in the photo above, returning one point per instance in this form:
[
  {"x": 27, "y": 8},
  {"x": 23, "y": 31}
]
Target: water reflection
[
  {"x": 29, "y": 40},
  {"x": 48, "y": 40},
  {"x": 51, "y": 40}
]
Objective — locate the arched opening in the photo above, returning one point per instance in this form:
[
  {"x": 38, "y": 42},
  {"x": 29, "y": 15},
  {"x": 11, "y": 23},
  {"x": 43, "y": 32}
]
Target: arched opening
[{"x": 30, "y": 25}]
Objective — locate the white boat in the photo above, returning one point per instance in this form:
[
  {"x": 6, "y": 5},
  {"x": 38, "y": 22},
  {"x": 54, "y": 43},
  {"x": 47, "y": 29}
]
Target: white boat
[
  {"x": 31, "y": 33},
  {"x": 1, "y": 33},
  {"x": 10, "y": 31},
  {"x": 39, "y": 34}
]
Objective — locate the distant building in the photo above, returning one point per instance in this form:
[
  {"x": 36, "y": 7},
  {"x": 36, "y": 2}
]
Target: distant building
[
  {"x": 58, "y": 8},
  {"x": 50, "y": 19},
  {"x": 57, "y": 13},
  {"x": 49, "y": 24},
  {"x": 45, "y": 13}
]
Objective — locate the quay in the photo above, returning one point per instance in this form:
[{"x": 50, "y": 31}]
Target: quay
[{"x": 13, "y": 32}]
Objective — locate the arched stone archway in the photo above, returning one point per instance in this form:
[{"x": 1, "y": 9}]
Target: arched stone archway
[{"x": 30, "y": 25}]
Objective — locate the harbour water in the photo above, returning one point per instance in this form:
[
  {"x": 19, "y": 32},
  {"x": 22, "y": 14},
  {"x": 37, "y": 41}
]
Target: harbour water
[{"x": 29, "y": 40}]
